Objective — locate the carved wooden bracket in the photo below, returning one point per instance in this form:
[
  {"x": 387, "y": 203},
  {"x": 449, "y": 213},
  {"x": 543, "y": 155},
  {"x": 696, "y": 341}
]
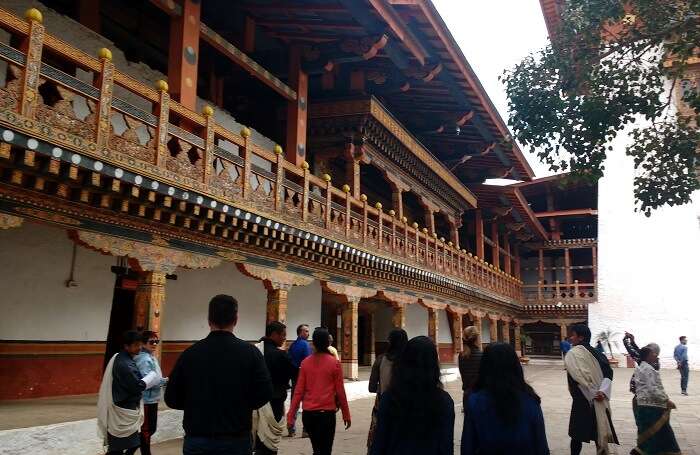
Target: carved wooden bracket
[
  {"x": 454, "y": 309},
  {"x": 430, "y": 304},
  {"x": 352, "y": 293},
  {"x": 396, "y": 298},
  {"x": 10, "y": 221},
  {"x": 150, "y": 258},
  {"x": 275, "y": 278}
]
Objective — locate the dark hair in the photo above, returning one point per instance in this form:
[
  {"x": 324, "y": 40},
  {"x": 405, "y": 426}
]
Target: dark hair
[
  {"x": 415, "y": 388},
  {"x": 301, "y": 326},
  {"x": 681, "y": 338},
  {"x": 582, "y": 331},
  {"x": 274, "y": 327},
  {"x": 223, "y": 310},
  {"x": 501, "y": 376},
  {"x": 131, "y": 336},
  {"x": 397, "y": 343},
  {"x": 644, "y": 353},
  {"x": 321, "y": 340},
  {"x": 147, "y": 335}
]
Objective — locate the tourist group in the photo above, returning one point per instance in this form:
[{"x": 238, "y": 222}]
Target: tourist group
[{"x": 233, "y": 394}]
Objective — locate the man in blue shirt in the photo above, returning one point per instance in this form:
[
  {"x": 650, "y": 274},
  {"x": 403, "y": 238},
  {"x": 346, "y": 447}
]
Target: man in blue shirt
[
  {"x": 298, "y": 351},
  {"x": 681, "y": 356}
]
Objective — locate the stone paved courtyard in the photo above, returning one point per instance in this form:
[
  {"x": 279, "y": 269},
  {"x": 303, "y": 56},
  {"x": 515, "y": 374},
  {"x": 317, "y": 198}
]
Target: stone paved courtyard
[{"x": 550, "y": 383}]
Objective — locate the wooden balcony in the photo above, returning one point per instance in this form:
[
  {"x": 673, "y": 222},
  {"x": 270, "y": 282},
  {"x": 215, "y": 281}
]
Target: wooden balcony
[
  {"x": 548, "y": 294},
  {"x": 200, "y": 163}
]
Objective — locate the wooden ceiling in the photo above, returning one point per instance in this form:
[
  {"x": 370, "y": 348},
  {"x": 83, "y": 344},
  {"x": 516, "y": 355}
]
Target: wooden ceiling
[{"x": 410, "y": 62}]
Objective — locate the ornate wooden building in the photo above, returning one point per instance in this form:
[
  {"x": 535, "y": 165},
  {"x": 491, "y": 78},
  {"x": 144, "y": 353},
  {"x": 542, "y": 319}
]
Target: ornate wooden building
[{"x": 325, "y": 162}]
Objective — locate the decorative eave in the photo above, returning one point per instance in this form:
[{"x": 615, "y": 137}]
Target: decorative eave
[
  {"x": 413, "y": 156},
  {"x": 510, "y": 196}
]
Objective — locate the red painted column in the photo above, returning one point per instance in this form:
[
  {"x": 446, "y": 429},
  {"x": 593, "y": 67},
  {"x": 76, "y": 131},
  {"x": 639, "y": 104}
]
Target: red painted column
[
  {"x": 297, "y": 110},
  {"x": 183, "y": 56},
  {"x": 479, "y": 228}
]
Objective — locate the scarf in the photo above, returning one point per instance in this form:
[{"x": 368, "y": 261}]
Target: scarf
[
  {"x": 112, "y": 419},
  {"x": 585, "y": 370},
  {"x": 267, "y": 428}
]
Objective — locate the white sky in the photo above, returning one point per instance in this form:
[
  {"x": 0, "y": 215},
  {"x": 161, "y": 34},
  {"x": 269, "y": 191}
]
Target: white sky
[{"x": 495, "y": 35}]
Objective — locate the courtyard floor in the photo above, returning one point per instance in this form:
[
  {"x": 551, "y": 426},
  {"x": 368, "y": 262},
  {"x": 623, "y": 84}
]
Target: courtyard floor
[{"x": 550, "y": 383}]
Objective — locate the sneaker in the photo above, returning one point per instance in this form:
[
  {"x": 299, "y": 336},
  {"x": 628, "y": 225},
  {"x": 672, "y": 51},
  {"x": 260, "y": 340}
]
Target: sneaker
[{"x": 684, "y": 393}]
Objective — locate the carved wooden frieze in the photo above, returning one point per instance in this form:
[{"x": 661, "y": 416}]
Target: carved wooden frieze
[
  {"x": 275, "y": 278},
  {"x": 10, "y": 221},
  {"x": 151, "y": 258}
]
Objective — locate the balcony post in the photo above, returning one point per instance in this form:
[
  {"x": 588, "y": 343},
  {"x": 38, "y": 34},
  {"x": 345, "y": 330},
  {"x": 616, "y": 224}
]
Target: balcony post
[
  {"x": 540, "y": 266},
  {"x": 305, "y": 192},
  {"x": 163, "y": 109},
  {"x": 576, "y": 289},
  {"x": 32, "y": 46},
  {"x": 105, "y": 82},
  {"x": 496, "y": 250},
  {"x": 329, "y": 199},
  {"x": 210, "y": 126},
  {"x": 567, "y": 267},
  {"x": 380, "y": 221},
  {"x": 556, "y": 289},
  {"x": 433, "y": 326},
  {"x": 363, "y": 198},
  {"x": 516, "y": 253},
  {"x": 279, "y": 179},
  {"x": 539, "y": 290},
  {"x": 594, "y": 257},
  {"x": 348, "y": 211},
  {"x": 507, "y": 267},
  {"x": 392, "y": 214},
  {"x": 245, "y": 133}
]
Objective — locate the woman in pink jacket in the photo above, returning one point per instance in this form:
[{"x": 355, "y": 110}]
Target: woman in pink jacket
[{"x": 320, "y": 387}]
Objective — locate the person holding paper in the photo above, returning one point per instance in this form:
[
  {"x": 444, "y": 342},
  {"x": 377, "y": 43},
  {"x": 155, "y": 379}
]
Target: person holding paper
[
  {"x": 590, "y": 383},
  {"x": 119, "y": 410}
]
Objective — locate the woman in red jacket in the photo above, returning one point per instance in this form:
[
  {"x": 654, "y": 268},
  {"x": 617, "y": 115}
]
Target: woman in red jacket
[{"x": 320, "y": 387}]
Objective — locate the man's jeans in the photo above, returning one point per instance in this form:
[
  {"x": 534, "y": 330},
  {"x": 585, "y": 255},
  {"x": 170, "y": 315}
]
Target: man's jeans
[
  {"x": 210, "y": 446},
  {"x": 685, "y": 371}
]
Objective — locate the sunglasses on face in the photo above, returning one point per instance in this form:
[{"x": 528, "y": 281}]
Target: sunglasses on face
[{"x": 153, "y": 342}]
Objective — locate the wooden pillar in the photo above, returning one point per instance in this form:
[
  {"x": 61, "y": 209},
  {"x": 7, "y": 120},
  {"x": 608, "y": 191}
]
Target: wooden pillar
[
  {"x": 457, "y": 342},
  {"x": 563, "y": 330},
  {"x": 183, "y": 55},
  {"x": 433, "y": 326},
  {"x": 277, "y": 298},
  {"x": 398, "y": 317},
  {"x": 479, "y": 327},
  {"x": 369, "y": 339},
  {"x": 594, "y": 256},
  {"x": 507, "y": 260},
  {"x": 479, "y": 228},
  {"x": 567, "y": 266},
  {"x": 454, "y": 233},
  {"x": 496, "y": 250},
  {"x": 148, "y": 302},
  {"x": 349, "y": 356},
  {"x": 397, "y": 201},
  {"x": 516, "y": 253},
  {"x": 297, "y": 110},
  {"x": 430, "y": 220},
  {"x": 506, "y": 332},
  {"x": 518, "y": 341},
  {"x": 540, "y": 266},
  {"x": 493, "y": 329}
]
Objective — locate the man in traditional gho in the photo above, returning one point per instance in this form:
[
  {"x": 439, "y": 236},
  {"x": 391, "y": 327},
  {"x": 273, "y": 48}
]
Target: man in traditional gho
[
  {"x": 590, "y": 383},
  {"x": 119, "y": 411},
  {"x": 268, "y": 421}
]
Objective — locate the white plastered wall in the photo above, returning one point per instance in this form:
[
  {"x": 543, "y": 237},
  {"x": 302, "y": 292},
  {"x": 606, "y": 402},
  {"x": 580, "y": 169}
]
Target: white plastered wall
[
  {"x": 416, "y": 320},
  {"x": 647, "y": 267},
  {"x": 35, "y": 303},
  {"x": 187, "y": 299}
]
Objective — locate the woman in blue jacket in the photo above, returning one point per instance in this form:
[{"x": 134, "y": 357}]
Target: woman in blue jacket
[
  {"x": 504, "y": 413},
  {"x": 147, "y": 362}
]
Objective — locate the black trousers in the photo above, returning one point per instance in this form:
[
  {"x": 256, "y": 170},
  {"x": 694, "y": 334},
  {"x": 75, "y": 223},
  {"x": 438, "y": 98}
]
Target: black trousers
[
  {"x": 150, "y": 424},
  {"x": 130, "y": 451},
  {"x": 321, "y": 428}
]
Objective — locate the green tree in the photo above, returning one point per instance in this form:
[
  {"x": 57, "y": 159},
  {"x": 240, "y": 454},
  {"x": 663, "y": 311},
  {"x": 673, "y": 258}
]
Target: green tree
[{"x": 604, "y": 72}]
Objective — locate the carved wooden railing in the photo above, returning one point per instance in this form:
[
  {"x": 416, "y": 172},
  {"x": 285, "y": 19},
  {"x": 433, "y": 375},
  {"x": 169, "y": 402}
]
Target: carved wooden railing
[
  {"x": 558, "y": 292},
  {"x": 168, "y": 141}
]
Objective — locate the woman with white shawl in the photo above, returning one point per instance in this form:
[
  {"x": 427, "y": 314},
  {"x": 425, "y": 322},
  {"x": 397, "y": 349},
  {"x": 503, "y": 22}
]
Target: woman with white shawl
[{"x": 119, "y": 408}]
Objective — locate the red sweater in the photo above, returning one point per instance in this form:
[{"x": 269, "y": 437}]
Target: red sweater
[{"x": 320, "y": 382}]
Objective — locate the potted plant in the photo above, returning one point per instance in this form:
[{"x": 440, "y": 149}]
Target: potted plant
[{"x": 607, "y": 338}]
